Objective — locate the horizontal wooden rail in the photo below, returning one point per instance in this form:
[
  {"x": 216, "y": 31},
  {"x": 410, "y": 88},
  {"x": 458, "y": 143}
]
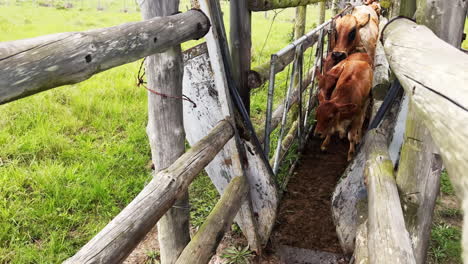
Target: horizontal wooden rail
[
  {"x": 205, "y": 242},
  {"x": 433, "y": 74},
  {"x": 389, "y": 240},
  {"x": 264, "y": 5},
  {"x": 122, "y": 234},
  {"x": 34, "y": 65}
]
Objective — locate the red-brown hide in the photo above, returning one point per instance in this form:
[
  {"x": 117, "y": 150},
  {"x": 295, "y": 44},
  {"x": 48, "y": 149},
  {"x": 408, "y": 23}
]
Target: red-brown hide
[{"x": 348, "y": 102}]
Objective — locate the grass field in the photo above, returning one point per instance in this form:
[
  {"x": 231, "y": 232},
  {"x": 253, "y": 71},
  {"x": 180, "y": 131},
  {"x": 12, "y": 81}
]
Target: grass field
[{"x": 71, "y": 158}]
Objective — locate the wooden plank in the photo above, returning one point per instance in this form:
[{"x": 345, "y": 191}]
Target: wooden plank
[
  {"x": 241, "y": 46},
  {"x": 205, "y": 242},
  {"x": 322, "y": 9},
  {"x": 255, "y": 228},
  {"x": 436, "y": 85},
  {"x": 389, "y": 241},
  {"x": 165, "y": 130},
  {"x": 264, "y": 5},
  {"x": 36, "y": 65},
  {"x": 200, "y": 86},
  {"x": 115, "y": 241},
  {"x": 361, "y": 253}
]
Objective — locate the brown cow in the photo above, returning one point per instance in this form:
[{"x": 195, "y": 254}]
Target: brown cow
[
  {"x": 358, "y": 31},
  {"x": 348, "y": 102},
  {"x": 327, "y": 81}
]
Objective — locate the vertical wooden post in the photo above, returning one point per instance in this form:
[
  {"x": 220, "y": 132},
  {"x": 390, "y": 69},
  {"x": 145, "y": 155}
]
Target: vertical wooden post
[
  {"x": 300, "y": 21},
  {"x": 166, "y": 131},
  {"x": 322, "y": 12},
  {"x": 445, "y": 18},
  {"x": 408, "y": 8},
  {"x": 418, "y": 179},
  {"x": 240, "y": 46}
]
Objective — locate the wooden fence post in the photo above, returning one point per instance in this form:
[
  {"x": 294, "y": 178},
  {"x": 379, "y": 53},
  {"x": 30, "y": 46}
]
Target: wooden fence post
[
  {"x": 166, "y": 130},
  {"x": 322, "y": 8},
  {"x": 300, "y": 21},
  {"x": 445, "y": 18},
  {"x": 240, "y": 46}
]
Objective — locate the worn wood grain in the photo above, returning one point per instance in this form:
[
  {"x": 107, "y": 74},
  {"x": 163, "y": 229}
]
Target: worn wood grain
[
  {"x": 205, "y": 242},
  {"x": 35, "y": 65},
  {"x": 240, "y": 36},
  {"x": 437, "y": 87},
  {"x": 200, "y": 86},
  {"x": 165, "y": 130},
  {"x": 214, "y": 39},
  {"x": 115, "y": 241},
  {"x": 418, "y": 181},
  {"x": 389, "y": 240},
  {"x": 445, "y": 18}
]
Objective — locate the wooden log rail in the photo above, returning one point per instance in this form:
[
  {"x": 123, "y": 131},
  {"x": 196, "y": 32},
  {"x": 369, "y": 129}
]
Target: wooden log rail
[
  {"x": 129, "y": 227},
  {"x": 205, "y": 242},
  {"x": 34, "y": 65},
  {"x": 388, "y": 239},
  {"x": 433, "y": 74}
]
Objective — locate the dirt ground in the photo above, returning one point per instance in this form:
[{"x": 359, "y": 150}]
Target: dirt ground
[{"x": 304, "y": 218}]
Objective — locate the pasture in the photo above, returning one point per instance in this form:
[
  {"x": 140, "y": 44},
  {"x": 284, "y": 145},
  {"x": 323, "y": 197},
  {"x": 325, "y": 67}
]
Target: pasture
[{"x": 72, "y": 158}]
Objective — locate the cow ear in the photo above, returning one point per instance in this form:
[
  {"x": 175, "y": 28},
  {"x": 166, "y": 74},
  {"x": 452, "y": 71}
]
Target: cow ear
[
  {"x": 362, "y": 19},
  {"x": 347, "y": 108}
]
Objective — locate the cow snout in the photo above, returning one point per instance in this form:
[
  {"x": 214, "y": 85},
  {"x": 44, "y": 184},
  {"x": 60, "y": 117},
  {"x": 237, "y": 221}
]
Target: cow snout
[{"x": 338, "y": 55}]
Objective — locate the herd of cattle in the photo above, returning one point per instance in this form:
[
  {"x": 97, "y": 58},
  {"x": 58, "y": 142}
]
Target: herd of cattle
[{"x": 346, "y": 81}]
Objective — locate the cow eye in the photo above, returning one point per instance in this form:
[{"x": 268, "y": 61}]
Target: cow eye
[{"x": 352, "y": 35}]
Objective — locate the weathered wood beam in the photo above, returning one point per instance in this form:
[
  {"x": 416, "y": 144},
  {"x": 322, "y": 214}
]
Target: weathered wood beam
[
  {"x": 115, "y": 241},
  {"x": 389, "y": 241},
  {"x": 34, "y": 65},
  {"x": 418, "y": 180},
  {"x": 216, "y": 41},
  {"x": 361, "y": 253},
  {"x": 165, "y": 130},
  {"x": 445, "y": 18},
  {"x": 264, "y": 5},
  {"x": 437, "y": 88},
  {"x": 258, "y": 75},
  {"x": 240, "y": 46},
  {"x": 205, "y": 242}
]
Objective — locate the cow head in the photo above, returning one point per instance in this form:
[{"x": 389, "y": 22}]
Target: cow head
[
  {"x": 347, "y": 34},
  {"x": 328, "y": 114}
]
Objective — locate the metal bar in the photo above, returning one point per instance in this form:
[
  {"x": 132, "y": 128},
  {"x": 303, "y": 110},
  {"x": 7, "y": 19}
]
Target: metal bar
[
  {"x": 271, "y": 91},
  {"x": 309, "y": 34},
  {"x": 300, "y": 72},
  {"x": 285, "y": 113},
  {"x": 311, "y": 93}
]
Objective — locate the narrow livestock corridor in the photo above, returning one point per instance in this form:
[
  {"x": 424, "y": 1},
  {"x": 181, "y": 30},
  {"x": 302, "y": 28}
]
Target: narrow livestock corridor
[{"x": 305, "y": 218}]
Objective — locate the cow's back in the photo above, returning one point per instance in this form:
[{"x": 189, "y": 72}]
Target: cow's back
[{"x": 370, "y": 32}]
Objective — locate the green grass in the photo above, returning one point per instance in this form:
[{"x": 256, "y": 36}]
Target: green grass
[
  {"x": 445, "y": 246},
  {"x": 71, "y": 158}
]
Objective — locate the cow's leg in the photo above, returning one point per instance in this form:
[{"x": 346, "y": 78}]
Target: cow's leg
[
  {"x": 351, "y": 138},
  {"x": 325, "y": 142}
]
